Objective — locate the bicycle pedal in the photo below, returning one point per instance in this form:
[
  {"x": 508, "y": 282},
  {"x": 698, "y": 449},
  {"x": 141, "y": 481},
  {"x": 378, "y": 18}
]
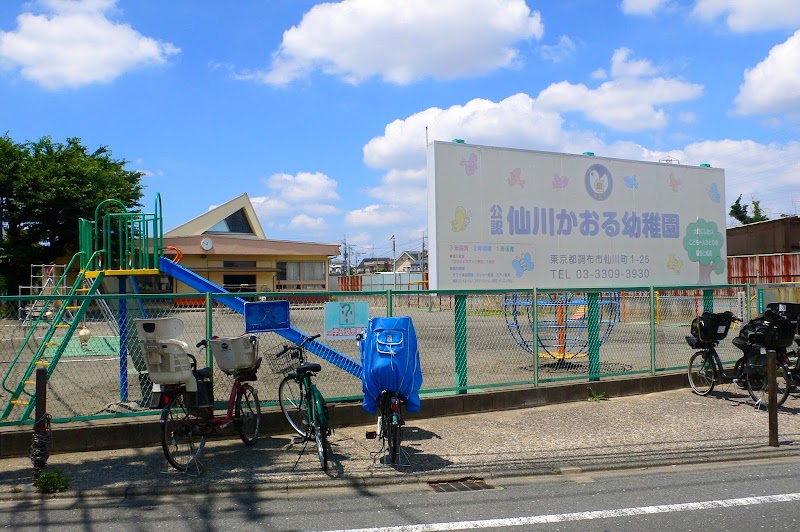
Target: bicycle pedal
[{"x": 371, "y": 435}]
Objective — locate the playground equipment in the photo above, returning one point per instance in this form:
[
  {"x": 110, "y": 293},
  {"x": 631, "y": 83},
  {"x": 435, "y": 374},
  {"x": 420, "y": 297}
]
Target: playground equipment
[
  {"x": 563, "y": 326},
  {"x": 120, "y": 244}
]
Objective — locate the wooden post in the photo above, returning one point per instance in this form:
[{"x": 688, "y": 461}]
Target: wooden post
[
  {"x": 39, "y": 450},
  {"x": 772, "y": 393}
]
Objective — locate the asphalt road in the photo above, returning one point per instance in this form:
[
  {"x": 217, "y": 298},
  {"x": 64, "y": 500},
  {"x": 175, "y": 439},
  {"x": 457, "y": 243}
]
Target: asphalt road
[{"x": 727, "y": 496}]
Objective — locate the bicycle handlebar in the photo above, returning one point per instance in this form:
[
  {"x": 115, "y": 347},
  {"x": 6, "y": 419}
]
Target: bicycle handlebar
[{"x": 298, "y": 347}]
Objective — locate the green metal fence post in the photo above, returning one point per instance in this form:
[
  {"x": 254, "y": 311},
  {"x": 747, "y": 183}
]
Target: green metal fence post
[
  {"x": 209, "y": 330},
  {"x": 708, "y": 300},
  {"x": 389, "y": 303},
  {"x": 593, "y": 315},
  {"x": 461, "y": 342}
]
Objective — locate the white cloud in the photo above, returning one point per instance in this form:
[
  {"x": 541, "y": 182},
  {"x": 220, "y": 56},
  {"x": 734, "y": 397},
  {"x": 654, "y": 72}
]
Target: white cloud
[
  {"x": 563, "y": 50},
  {"x": 268, "y": 208},
  {"x": 513, "y": 122},
  {"x": 641, "y": 7},
  {"x": 750, "y": 15},
  {"x": 74, "y": 43},
  {"x": 303, "y": 187},
  {"x": 403, "y": 187},
  {"x": 630, "y": 101},
  {"x": 622, "y": 66},
  {"x": 765, "y": 172},
  {"x": 773, "y": 85},
  {"x": 298, "y": 202},
  {"x": 376, "y": 216},
  {"x": 401, "y": 41},
  {"x": 304, "y": 222}
]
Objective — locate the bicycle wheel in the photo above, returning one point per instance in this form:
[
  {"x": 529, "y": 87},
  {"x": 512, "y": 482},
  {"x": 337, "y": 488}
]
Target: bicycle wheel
[
  {"x": 321, "y": 437},
  {"x": 291, "y": 396},
  {"x": 180, "y": 441},
  {"x": 758, "y": 386},
  {"x": 702, "y": 373},
  {"x": 394, "y": 441},
  {"x": 248, "y": 414}
]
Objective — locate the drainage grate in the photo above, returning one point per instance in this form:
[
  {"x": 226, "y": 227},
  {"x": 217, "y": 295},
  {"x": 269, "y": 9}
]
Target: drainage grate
[{"x": 463, "y": 484}]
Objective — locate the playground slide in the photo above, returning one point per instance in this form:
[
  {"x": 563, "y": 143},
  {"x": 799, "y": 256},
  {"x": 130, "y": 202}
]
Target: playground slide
[{"x": 190, "y": 278}]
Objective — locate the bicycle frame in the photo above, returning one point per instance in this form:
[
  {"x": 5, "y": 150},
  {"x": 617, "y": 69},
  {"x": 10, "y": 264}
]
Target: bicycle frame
[
  {"x": 305, "y": 411},
  {"x": 184, "y": 426}
]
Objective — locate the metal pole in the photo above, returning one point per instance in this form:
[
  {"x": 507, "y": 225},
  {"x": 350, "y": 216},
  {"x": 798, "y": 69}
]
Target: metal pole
[
  {"x": 123, "y": 340},
  {"x": 772, "y": 393}
]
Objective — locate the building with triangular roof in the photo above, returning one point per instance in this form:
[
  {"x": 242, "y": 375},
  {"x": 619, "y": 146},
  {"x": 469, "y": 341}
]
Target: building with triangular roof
[{"x": 227, "y": 246}]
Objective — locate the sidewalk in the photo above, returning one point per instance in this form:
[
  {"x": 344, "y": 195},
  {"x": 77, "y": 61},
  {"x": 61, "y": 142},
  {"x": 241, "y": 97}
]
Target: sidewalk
[{"x": 669, "y": 427}]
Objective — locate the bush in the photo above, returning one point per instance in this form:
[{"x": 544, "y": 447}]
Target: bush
[{"x": 54, "y": 481}]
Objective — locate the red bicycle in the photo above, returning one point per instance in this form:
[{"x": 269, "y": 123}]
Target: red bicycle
[{"x": 188, "y": 417}]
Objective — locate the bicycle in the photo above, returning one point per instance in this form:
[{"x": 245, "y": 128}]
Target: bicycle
[
  {"x": 185, "y": 393},
  {"x": 706, "y": 370},
  {"x": 300, "y": 400},
  {"x": 389, "y": 428}
]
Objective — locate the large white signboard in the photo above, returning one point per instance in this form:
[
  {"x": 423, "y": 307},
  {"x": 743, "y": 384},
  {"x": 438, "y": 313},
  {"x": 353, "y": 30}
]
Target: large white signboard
[{"x": 503, "y": 218}]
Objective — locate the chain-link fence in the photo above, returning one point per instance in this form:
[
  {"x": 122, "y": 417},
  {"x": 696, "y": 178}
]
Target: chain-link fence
[{"x": 469, "y": 341}]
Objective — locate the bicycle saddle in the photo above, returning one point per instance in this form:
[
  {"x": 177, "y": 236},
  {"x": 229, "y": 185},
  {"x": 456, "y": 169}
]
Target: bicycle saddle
[{"x": 308, "y": 367}]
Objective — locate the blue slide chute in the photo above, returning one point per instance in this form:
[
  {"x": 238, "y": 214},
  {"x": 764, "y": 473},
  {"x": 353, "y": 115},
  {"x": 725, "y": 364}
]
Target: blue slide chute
[{"x": 201, "y": 284}]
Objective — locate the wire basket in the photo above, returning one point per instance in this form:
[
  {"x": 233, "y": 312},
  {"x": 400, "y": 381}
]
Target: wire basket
[{"x": 282, "y": 362}]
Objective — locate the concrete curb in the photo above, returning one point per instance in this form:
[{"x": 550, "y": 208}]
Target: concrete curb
[{"x": 136, "y": 432}]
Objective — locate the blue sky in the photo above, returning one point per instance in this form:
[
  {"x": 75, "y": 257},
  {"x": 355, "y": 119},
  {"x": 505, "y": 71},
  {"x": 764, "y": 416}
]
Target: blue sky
[{"x": 318, "y": 111}]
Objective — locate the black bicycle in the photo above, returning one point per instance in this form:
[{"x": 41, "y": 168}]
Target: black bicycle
[
  {"x": 706, "y": 370},
  {"x": 389, "y": 428}
]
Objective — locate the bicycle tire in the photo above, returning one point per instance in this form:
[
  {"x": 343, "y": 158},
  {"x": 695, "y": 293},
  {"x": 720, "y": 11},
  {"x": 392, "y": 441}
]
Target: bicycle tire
[
  {"x": 394, "y": 442},
  {"x": 292, "y": 398},
  {"x": 702, "y": 373},
  {"x": 758, "y": 387},
  {"x": 180, "y": 441},
  {"x": 247, "y": 414},
  {"x": 321, "y": 438}
]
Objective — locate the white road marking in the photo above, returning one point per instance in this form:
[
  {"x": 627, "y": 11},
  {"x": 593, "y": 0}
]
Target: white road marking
[{"x": 582, "y": 516}]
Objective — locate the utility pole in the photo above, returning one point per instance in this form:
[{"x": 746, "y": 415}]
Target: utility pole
[
  {"x": 346, "y": 258},
  {"x": 422, "y": 255}
]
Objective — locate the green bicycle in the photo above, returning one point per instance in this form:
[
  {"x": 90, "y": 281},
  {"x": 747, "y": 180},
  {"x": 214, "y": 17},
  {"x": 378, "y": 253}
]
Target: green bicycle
[{"x": 301, "y": 402}]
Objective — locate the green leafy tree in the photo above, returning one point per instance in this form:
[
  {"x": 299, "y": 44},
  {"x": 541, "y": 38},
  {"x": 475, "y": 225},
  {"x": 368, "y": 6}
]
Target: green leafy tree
[
  {"x": 739, "y": 212},
  {"x": 45, "y": 187}
]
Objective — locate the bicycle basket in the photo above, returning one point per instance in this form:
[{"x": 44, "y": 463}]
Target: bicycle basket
[
  {"x": 284, "y": 363},
  {"x": 779, "y": 334},
  {"x": 710, "y": 327},
  {"x": 771, "y": 330}
]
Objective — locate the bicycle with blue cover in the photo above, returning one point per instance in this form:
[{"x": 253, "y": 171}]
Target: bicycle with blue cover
[{"x": 391, "y": 378}]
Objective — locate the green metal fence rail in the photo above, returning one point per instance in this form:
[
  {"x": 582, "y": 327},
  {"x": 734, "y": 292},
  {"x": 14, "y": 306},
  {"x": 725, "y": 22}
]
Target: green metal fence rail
[{"x": 469, "y": 340}]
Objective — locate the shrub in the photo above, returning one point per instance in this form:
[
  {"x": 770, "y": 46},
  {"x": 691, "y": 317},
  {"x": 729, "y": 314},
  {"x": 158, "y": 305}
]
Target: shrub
[{"x": 54, "y": 481}]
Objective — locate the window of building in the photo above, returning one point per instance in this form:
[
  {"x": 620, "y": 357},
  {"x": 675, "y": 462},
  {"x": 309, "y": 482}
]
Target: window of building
[
  {"x": 235, "y": 223},
  {"x": 240, "y": 264},
  {"x": 306, "y": 275},
  {"x": 239, "y": 283}
]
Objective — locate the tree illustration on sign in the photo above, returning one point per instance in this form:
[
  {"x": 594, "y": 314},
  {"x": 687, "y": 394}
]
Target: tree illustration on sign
[{"x": 703, "y": 242}]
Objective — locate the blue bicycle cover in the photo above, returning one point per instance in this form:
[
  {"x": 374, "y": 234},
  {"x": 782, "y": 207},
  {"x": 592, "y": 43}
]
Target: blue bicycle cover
[{"x": 390, "y": 361}]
